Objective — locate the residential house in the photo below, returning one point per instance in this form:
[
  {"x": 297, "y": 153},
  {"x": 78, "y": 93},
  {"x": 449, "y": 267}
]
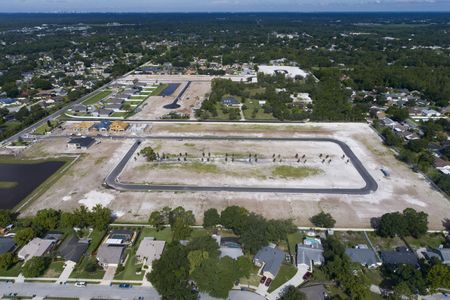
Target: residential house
[
  {"x": 269, "y": 259},
  {"x": 110, "y": 255},
  {"x": 82, "y": 143},
  {"x": 430, "y": 113},
  {"x": 36, "y": 247},
  {"x": 82, "y": 126},
  {"x": 231, "y": 102},
  {"x": 119, "y": 126},
  {"x": 310, "y": 255},
  {"x": 400, "y": 255},
  {"x": 72, "y": 249},
  {"x": 114, "y": 107},
  {"x": 102, "y": 126},
  {"x": 54, "y": 235},
  {"x": 443, "y": 254},
  {"x": 7, "y": 244},
  {"x": 442, "y": 165},
  {"x": 103, "y": 113},
  {"x": 363, "y": 255},
  {"x": 80, "y": 108},
  {"x": 149, "y": 250}
]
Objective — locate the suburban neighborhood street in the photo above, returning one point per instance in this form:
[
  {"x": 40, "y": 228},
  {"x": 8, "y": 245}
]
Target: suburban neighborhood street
[{"x": 71, "y": 291}]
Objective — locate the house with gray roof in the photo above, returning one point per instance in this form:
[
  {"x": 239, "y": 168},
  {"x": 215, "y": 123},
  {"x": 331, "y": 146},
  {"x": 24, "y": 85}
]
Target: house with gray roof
[
  {"x": 110, "y": 255},
  {"x": 310, "y": 255},
  {"x": 36, "y": 247},
  {"x": 442, "y": 254},
  {"x": 7, "y": 244},
  {"x": 364, "y": 256},
  {"x": 149, "y": 250},
  {"x": 72, "y": 249},
  {"x": 399, "y": 256},
  {"x": 269, "y": 260}
]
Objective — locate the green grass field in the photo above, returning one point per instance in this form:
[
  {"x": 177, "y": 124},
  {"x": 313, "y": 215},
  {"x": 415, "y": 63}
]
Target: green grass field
[
  {"x": 14, "y": 271},
  {"x": 159, "y": 89},
  {"x": 44, "y": 128},
  {"x": 54, "y": 269},
  {"x": 97, "y": 97},
  {"x": 295, "y": 172},
  {"x": 255, "y": 112}
]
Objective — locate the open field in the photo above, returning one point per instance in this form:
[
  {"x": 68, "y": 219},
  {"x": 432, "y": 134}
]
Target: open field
[
  {"x": 82, "y": 184},
  {"x": 97, "y": 97},
  {"x": 279, "y": 164}
]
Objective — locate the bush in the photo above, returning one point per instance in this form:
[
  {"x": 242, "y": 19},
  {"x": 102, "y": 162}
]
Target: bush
[
  {"x": 91, "y": 266},
  {"x": 323, "y": 220}
]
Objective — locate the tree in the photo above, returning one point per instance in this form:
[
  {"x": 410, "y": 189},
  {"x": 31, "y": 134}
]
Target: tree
[
  {"x": 68, "y": 220},
  {"x": 392, "y": 224},
  {"x": 324, "y": 220},
  {"x": 405, "y": 274},
  {"x": 7, "y": 260},
  {"x": 254, "y": 235},
  {"x": 149, "y": 153},
  {"x": 181, "y": 228},
  {"x": 91, "y": 266},
  {"x": 292, "y": 293},
  {"x": 196, "y": 258},
  {"x": 7, "y": 217},
  {"x": 211, "y": 218},
  {"x": 204, "y": 243},
  {"x": 398, "y": 114},
  {"x": 48, "y": 219},
  {"x": 101, "y": 217},
  {"x": 233, "y": 217},
  {"x": 23, "y": 236},
  {"x": 156, "y": 219},
  {"x": 170, "y": 274},
  {"x": 35, "y": 267},
  {"x": 439, "y": 277},
  {"x": 417, "y": 222},
  {"x": 216, "y": 276}
]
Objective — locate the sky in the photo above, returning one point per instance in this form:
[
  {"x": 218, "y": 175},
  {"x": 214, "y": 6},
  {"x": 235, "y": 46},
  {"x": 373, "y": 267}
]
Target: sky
[{"x": 221, "y": 5}]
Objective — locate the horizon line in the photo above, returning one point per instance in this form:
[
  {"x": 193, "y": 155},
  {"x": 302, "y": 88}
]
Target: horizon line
[{"x": 229, "y": 12}]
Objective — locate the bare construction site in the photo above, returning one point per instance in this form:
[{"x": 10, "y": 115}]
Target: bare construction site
[{"x": 297, "y": 164}]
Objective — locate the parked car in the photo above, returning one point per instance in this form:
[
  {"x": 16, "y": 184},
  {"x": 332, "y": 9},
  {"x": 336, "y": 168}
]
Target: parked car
[
  {"x": 125, "y": 285},
  {"x": 80, "y": 284},
  {"x": 307, "y": 276},
  {"x": 268, "y": 281},
  {"x": 263, "y": 279}
]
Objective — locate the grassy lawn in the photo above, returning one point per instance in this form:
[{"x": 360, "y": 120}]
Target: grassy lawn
[
  {"x": 159, "y": 89},
  {"x": 44, "y": 128},
  {"x": 121, "y": 114},
  {"x": 130, "y": 268},
  {"x": 79, "y": 271},
  {"x": 162, "y": 235},
  {"x": 55, "y": 269},
  {"x": 14, "y": 271},
  {"x": 286, "y": 272},
  {"x": 253, "y": 279},
  {"x": 96, "y": 238},
  {"x": 293, "y": 240},
  {"x": 255, "y": 112},
  {"x": 432, "y": 240},
  {"x": 350, "y": 238},
  {"x": 191, "y": 166},
  {"x": 7, "y": 184},
  {"x": 294, "y": 172},
  {"x": 384, "y": 243},
  {"x": 97, "y": 97},
  {"x": 373, "y": 275}
]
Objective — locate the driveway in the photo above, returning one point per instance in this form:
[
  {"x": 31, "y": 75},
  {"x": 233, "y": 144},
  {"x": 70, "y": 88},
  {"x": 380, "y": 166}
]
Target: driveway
[
  {"x": 109, "y": 275},
  {"x": 294, "y": 281},
  {"x": 68, "y": 268},
  {"x": 29, "y": 289}
]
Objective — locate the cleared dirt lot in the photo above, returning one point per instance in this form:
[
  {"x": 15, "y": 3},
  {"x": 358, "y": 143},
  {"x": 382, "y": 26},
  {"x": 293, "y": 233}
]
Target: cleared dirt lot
[
  {"x": 83, "y": 182},
  {"x": 279, "y": 164},
  {"x": 153, "y": 108}
]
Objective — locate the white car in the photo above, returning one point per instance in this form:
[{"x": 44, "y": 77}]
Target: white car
[{"x": 80, "y": 284}]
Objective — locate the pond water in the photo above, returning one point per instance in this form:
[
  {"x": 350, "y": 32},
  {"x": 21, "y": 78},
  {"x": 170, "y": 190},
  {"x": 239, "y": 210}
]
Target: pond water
[{"x": 28, "y": 177}]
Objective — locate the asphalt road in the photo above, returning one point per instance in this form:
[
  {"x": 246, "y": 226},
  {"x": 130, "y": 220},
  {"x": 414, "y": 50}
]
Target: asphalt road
[
  {"x": 90, "y": 291},
  {"x": 371, "y": 185}
]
